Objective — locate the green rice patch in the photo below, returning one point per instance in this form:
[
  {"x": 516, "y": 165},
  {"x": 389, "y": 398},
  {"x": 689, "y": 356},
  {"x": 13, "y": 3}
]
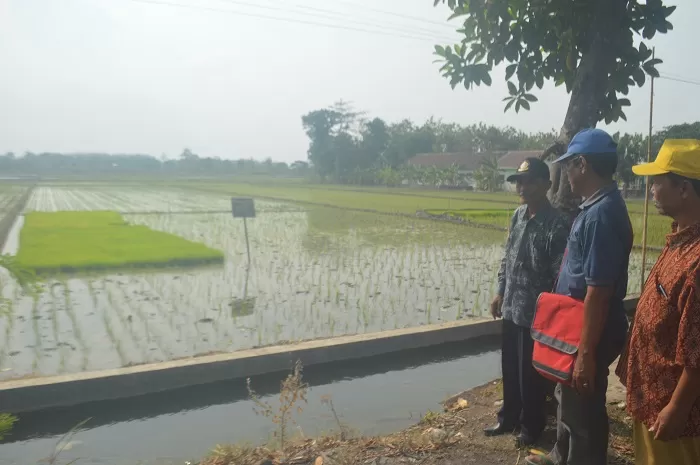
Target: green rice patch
[
  {"x": 500, "y": 218},
  {"x": 657, "y": 229},
  {"x": 75, "y": 241}
]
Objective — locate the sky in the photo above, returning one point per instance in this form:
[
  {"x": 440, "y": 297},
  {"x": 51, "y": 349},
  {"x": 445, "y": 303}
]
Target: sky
[{"x": 232, "y": 78}]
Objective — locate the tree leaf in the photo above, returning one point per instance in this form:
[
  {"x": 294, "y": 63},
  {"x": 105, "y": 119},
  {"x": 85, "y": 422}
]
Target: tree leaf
[
  {"x": 650, "y": 70},
  {"x": 517, "y": 106},
  {"x": 530, "y": 97},
  {"x": 509, "y": 104},
  {"x": 643, "y": 48},
  {"x": 440, "y": 50},
  {"x": 639, "y": 76},
  {"x": 539, "y": 80},
  {"x": 623, "y": 102},
  {"x": 510, "y": 70},
  {"x": 512, "y": 89},
  {"x": 524, "y": 104},
  {"x": 486, "y": 77}
]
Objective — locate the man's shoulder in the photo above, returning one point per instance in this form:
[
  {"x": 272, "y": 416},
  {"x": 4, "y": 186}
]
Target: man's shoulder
[
  {"x": 610, "y": 208},
  {"x": 557, "y": 219},
  {"x": 518, "y": 213}
]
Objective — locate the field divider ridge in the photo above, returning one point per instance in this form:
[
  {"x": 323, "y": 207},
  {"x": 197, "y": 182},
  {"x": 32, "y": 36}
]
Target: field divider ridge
[{"x": 8, "y": 221}]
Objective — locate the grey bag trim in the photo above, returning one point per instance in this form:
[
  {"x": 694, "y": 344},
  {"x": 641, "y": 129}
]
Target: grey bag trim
[
  {"x": 549, "y": 341},
  {"x": 560, "y": 375}
]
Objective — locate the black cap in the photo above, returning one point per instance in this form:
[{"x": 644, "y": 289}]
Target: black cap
[{"x": 533, "y": 168}]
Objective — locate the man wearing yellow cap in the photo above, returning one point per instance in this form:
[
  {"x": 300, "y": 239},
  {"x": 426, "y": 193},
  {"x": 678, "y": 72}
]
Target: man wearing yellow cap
[{"x": 661, "y": 369}]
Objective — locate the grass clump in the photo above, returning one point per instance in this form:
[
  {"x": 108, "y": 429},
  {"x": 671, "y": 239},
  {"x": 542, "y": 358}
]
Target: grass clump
[
  {"x": 7, "y": 421},
  {"x": 77, "y": 240},
  {"x": 292, "y": 391}
]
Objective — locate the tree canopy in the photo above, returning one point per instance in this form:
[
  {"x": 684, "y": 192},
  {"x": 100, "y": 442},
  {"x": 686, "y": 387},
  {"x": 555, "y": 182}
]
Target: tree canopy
[
  {"x": 549, "y": 40},
  {"x": 374, "y": 151},
  {"x": 597, "y": 49}
]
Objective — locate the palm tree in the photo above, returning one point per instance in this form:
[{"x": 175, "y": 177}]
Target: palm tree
[{"x": 488, "y": 177}]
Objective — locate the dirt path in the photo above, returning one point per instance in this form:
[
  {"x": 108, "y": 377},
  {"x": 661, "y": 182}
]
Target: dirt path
[{"x": 453, "y": 437}]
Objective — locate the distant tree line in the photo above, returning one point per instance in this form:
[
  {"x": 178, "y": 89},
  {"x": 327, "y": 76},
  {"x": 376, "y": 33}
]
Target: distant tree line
[
  {"x": 188, "y": 164},
  {"x": 347, "y": 147}
]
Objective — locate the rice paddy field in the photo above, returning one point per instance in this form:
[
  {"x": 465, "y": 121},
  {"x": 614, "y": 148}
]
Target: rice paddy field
[{"x": 319, "y": 268}]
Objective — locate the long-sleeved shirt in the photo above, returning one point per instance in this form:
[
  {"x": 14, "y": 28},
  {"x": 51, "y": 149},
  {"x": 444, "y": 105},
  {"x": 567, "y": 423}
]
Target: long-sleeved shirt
[{"x": 531, "y": 262}]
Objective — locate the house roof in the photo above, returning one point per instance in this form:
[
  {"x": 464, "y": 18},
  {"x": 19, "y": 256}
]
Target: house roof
[
  {"x": 512, "y": 160},
  {"x": 465, "y": 161}
]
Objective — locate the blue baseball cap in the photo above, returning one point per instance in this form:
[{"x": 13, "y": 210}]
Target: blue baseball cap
[{"x": 590, "y": 141}]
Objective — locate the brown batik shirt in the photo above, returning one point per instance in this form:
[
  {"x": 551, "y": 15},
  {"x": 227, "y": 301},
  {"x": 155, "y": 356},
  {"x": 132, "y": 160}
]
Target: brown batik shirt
[{"x": 665, "y": 337}]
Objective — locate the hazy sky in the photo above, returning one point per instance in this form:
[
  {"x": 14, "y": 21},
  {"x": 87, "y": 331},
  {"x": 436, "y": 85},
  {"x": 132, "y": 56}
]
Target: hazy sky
[{"x": 131, "y": 77}]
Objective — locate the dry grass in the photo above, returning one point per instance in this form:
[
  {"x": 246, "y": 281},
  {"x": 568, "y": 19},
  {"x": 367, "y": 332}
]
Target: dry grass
[{"x": 452, "y": 437}]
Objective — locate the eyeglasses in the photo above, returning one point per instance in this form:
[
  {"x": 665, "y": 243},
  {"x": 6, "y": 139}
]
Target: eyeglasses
[{"x": 573, "y": 162}]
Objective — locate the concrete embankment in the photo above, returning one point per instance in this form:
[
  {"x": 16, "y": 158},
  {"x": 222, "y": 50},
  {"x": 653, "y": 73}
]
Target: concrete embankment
[{"x": 24, "y": 395}]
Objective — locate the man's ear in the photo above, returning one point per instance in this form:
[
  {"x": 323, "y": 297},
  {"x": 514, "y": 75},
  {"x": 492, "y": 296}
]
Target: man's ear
[
  {"x": 584, "y": 164},
  {"x": 686, "y": 190}
]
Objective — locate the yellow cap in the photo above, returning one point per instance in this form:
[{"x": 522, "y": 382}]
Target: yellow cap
[{"x": 678, "y": 156}]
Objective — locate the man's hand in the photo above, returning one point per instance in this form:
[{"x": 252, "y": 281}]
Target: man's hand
[
  {"x": 584, "y": 374},
  {"x": 496, "y": 307},
  {"x": 670, "y": 423}
]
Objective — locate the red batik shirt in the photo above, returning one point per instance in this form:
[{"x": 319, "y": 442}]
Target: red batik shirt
[{"x": 665, "y": 337}]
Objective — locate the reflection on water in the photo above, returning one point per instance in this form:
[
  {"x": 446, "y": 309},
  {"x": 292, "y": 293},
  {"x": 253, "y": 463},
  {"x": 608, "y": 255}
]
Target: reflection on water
[{"x": 374, "y": 396}]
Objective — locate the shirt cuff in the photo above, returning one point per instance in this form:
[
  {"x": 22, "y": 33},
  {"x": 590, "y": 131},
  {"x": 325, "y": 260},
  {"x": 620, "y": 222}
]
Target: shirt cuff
[{"x": 600, "y": 282}]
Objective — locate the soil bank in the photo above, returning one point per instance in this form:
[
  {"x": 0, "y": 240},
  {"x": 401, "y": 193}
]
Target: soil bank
[{"x": 452, "y": 437}]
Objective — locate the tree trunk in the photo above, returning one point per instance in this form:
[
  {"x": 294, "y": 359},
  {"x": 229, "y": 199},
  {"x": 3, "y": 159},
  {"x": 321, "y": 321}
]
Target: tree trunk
[{"x": 588, "y": 92}]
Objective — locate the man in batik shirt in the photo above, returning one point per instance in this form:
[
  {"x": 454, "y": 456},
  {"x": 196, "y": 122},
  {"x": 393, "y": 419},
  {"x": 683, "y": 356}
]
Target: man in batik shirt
[{"x": 662, "y": 368}]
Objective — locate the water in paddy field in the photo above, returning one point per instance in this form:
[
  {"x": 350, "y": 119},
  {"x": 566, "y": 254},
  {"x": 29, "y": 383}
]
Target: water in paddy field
[
  {"x": 373, "y": 396},
  {"x": 314, "y": 273}
]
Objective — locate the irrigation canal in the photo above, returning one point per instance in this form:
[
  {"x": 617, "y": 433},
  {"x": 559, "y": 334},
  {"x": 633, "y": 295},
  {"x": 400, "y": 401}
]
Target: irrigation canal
[{"x": 373, "y": 396}]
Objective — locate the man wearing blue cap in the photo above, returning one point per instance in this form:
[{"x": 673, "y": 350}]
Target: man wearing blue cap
[{"x": 595, "y": 272}]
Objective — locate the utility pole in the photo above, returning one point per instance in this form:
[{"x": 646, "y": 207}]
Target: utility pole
[{"x": 646, "y": 184}]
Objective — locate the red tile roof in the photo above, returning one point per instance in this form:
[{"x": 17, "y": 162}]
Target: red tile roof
[
  {"x": 466, "y": 161},
  {"x": 513, "y": 159}
]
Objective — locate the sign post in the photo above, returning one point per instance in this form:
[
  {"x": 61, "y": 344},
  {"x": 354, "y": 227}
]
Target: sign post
[{"x": 243, "y": 207}]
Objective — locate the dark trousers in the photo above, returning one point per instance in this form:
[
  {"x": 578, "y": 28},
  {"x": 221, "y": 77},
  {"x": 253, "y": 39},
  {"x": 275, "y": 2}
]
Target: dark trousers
[
  {"x": 524, "y": 390},
  {"x": 582, "y": 425},
  {"x": 582, "y": 421}
]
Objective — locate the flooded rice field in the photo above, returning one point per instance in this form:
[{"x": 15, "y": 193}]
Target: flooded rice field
[{"x": 314, "y": 273}]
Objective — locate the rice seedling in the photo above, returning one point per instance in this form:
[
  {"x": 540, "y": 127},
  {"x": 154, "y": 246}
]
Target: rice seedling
[{"x": 315, "y": 272}]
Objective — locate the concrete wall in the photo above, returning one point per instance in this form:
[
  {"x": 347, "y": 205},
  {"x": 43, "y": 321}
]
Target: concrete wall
[
  {"x": 56, "y": 391},
  {"x": 65, "y": 390}
]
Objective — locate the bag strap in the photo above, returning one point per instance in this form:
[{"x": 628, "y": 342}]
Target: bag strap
[{"x": 561, "y": 267}]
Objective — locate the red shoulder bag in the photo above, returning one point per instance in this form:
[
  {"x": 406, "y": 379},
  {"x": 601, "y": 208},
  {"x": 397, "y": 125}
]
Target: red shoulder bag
[{"x": 556, "y": 330}]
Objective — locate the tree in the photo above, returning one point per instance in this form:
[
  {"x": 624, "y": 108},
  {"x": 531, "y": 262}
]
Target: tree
[
  {"x": 333, "y": 133},
  {"x": 375, "y": 140},
  {"x": 488, "y": 177},
  {"x": 586, "y": 45},
  {"x": 631, "y": 149}
]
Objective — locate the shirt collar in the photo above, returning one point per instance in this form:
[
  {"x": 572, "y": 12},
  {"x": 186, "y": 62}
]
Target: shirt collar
[
  {"x": 679, "y": 238},
  {"x": 600, "y": 194},
  {"x": 541, "y": 214}
]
